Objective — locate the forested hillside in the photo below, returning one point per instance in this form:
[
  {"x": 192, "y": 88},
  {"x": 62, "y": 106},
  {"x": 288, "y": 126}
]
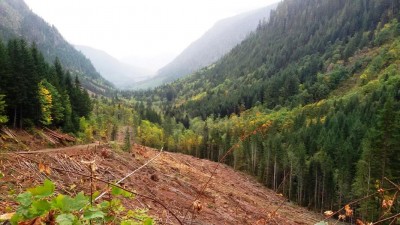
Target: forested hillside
[
  {"x": 18, "y": 21},
  {"x": 310, "y": 103},
  {"x": 210, "y": 47},
  {"x": 32, "y": 92}
]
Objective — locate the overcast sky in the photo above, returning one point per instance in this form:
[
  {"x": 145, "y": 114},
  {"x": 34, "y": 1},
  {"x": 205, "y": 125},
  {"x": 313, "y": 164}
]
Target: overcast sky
[{"x": 146, "y": 28}]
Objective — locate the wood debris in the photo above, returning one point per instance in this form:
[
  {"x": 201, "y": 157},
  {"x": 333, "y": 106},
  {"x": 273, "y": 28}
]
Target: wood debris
[{"x": 10, "y": 134}]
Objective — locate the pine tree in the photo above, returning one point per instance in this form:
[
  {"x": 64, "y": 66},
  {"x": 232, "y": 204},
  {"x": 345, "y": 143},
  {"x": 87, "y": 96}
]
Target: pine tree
[
  {"x": 127, "y": 140},
  {"x": 68, "y": 125},
  {"x": 380, "y": 158},
  {"x": 3, "y": 116},
  {"x": 41, "y": 66}
]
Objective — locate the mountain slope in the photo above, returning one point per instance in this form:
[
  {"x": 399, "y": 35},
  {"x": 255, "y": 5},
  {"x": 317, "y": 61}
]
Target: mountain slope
[
  {"x": 119, "y": 73},
  {"x": 311, "y": 99},
  {"x": 215, "y": 43},
  {"x": 18, "y": 21},
  {"x": 173, "y": 179},
  {"x": 289, "y": 50}
]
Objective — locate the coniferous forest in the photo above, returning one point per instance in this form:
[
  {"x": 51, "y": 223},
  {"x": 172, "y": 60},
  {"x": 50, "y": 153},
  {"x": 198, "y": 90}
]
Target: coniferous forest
[
  {"x": 321, "y": 79},
  {"x": 36, "y": 93},
  {"x": 309, "y": 103}
]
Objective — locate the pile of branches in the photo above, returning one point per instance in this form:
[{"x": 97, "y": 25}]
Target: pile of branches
[
  {"x": 9, "y": 133},
  {"x": 55, "y": 137}
]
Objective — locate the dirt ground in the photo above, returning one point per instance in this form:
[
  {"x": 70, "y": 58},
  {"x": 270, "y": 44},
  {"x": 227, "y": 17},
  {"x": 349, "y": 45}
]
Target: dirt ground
[{"x": 176, "y": 180}]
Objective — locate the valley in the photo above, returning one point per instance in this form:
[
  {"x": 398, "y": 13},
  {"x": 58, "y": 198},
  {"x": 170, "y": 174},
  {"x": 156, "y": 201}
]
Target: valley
[{"x": 295, "y": 120}]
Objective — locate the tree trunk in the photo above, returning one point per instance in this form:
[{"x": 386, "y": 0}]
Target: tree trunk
[
  {"x": 15, "y": 118},
  {"x": 275, "y": 174},
  {"x": 316, "y": 189},
  {"x": 323, "y": 192},
  {"x": 267, "y": 169},
  {"x": 290, "y": 180},
  {"x": 284, "y": 182},
  {"x": 20, "y": 118}
]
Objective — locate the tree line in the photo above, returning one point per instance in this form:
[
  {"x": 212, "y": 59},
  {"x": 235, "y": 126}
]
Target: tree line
[
  {"x": 34, "y": 92},
  {"x": 325, "y": 73}
]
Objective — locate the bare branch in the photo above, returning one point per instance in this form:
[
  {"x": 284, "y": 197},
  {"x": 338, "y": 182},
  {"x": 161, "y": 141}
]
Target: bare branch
[
  {"x": 109, "y": 183},
  {"x": 222, "y": 159},
  {"x": 388, "y": 218},
  {"x": 128, "y": 175}
]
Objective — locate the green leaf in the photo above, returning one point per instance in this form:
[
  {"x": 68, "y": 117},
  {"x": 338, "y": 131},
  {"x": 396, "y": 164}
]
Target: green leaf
[
  {"x": 1, "y": 175},
  {"x": 148, "y": 221},
  {"x": 95, "y": 194},
  {"x": 104, "y": 204},
  {"x": 65, "y": 219},
  {"x": 40, "y": 207},
  {"x": 25, "y": 199},
  {"x": 92, "y": 214},
  {"x": 68, "y": 204},
  {"x": 45, "y": 190},
  {"x": 126, "y": 222},
  {"x": 321, "y": 223},
  {"x": 79, "y": 201},
  {"x": 57, "y": 202},
  {"x": 15, "y": 218},
  {"x": 118, "y": 191}
]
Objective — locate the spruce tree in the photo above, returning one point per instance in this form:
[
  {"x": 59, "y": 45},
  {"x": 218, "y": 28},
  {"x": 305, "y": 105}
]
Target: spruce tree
[{"x": 3, "y": 116}]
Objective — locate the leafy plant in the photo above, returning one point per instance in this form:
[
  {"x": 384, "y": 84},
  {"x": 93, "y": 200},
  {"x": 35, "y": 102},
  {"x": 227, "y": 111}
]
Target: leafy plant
[{"x": 42, "y": 204}]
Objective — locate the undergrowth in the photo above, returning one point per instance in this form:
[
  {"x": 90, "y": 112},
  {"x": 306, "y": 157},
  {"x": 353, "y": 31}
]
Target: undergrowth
[{"x": 42, "y": 205}]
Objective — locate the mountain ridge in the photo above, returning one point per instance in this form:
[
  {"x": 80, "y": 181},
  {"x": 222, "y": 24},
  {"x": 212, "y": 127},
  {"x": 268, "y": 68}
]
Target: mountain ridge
[
  {"x": 18, "y": 21},
  {"x": 212, "y": 45},
  {"x": 220, "y": 38},
  {"x": 119, "y": 73}
]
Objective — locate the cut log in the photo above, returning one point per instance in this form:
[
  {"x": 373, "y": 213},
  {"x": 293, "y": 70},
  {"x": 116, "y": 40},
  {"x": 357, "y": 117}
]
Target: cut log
[
  {"x": 59, "y": 136},
  {"x": 9, "y": 133}
]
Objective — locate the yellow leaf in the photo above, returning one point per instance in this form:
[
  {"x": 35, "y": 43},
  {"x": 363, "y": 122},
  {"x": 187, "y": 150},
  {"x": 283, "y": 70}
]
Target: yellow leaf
[
  {"x": 42, "y": 167},
  {"x": 48, "y": 170},
  {"x": 349, "y": 211}
]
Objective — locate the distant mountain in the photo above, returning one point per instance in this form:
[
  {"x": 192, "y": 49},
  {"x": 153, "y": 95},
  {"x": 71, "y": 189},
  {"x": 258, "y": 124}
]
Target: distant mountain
[
  {"x": 215, "y": 43},
  {"x": 18, "y": 21},
  {"x": 119, "y": 73},
  {"x": 150, "y": 63}
]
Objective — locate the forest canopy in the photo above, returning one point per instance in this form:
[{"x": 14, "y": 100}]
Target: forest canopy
[{"x": 36, "y": 93}]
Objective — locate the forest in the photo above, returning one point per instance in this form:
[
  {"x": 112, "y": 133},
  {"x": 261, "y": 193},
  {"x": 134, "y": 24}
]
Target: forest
[
  {"x": 34, "y": 93},
  {"x": 309, "y": 104}
]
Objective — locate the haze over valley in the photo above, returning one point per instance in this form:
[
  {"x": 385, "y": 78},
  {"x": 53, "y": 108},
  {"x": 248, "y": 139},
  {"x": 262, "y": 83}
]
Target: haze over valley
[{"x": 200, "y": 112}]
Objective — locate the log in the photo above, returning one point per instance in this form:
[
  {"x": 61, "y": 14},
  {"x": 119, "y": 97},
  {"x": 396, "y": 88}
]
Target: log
[
  {"x": 9, "y": 133},
  {"x": 60, "y": 136}
]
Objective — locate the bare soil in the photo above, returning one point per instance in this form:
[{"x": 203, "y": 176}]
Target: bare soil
[{"x": 176, "y": 180}]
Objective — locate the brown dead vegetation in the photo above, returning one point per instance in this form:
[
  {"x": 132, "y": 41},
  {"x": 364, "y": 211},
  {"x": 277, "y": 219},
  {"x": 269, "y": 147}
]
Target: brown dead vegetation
[{"x": 174, "y": 179}]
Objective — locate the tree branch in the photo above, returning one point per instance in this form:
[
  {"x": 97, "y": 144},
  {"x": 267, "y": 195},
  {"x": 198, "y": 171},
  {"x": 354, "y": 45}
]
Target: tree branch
[{"x": 109, "y": 183}]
